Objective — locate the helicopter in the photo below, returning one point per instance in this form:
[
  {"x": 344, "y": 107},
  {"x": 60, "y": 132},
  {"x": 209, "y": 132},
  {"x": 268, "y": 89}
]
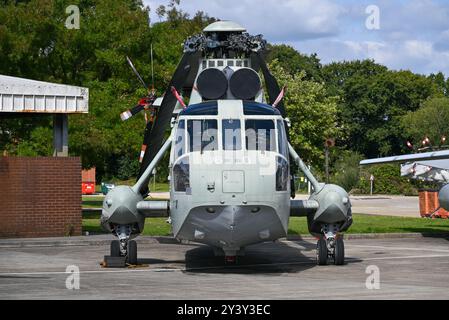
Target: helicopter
[{"x": 230, "y": 158}]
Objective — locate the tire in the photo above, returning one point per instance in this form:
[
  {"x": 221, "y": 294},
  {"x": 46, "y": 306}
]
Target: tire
[
  {"x": 115, "y": 248},
  {"x": 339, "y": 257},
  {"x": 132, "y": 252},
  {"x": 321, "y": 252}
]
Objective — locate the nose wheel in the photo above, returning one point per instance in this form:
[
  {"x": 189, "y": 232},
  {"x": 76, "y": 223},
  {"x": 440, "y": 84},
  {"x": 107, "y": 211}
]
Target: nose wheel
[
  {"x": 123, "y": 248},
  {"x": 321, "y": 252},
  {"x": 115, "y": 248},
  {"x": 339, "y": 252},
  {"x": 129, "y": 252},
  {"x": 132, "y": 252},
  {"x": 331, "y": 245}
]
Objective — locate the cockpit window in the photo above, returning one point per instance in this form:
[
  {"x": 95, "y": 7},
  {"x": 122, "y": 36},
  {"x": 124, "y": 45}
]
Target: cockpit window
[
  {"x": 232, "y": 139},
  {"x": 282, "y": 139},
  {"x": 203, "y": 135},
  {"x": 180, "y": 141},
  {"x": 260, "y": 135}
]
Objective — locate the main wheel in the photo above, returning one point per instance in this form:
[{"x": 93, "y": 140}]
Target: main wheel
[
  {"x": 132, "y": 252},
  {"x": 339, "y": 255},
  {"x": 321, "y": 252},
  {"x": 115, "y": 248}
]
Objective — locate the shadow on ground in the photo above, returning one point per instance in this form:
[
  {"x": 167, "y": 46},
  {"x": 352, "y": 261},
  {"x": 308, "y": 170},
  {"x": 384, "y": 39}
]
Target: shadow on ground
[{"x": 265, "y": 258}]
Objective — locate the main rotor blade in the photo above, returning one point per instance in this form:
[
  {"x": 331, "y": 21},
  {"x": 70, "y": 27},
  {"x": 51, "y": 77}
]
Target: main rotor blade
[
  {"x": 274, "y": 91},
  {"x": 137, "y": 73},
  {"x": 155, "y": 136},
  {"x": 131, "y": 112},
  {"x": 273, "y": 88}
]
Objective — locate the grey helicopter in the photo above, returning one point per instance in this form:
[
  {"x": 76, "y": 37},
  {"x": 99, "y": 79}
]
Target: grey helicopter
[{"x": 231, "y": 162}]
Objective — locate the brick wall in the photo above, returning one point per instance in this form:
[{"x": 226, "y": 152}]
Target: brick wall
[{"x": 40, "y": 197}]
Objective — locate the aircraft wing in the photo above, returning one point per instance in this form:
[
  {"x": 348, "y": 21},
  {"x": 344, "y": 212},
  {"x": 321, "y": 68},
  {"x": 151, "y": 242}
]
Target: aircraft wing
[{"x": 434, "y": 155}]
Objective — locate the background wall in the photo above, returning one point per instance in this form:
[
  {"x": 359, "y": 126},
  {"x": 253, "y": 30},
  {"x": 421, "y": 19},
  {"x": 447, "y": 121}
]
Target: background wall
[{"x": 40, "y": 197}]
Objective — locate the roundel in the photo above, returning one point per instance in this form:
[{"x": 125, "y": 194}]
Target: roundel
[
  {"x": 212, "y": 84},
  {"x": 245, "y": 84}
]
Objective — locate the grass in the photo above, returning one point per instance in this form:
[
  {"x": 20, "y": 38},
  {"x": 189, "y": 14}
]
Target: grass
[
  {"x": 158, "y": 187},
  {"x": 153, "y": 226},
  {"x": 364, "y": 223},
  {"x": 92, "y": 201},
  {"x": 298, "y": 225}
]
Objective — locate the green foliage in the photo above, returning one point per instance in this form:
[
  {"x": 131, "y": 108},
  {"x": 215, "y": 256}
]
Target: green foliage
[
  {"x": 39, "y": 143},
  {"x": 387, "y": 180},
  {"x": 431, "y": 120},
  {"x": 373, "y": 101},
  {"x": 441, "y": 83},
  {"x": 38, "y": 46},
  {"x": 312, "y": 112},
  {"x": 346, "y": 170},
  {"x": 361, "y": 104},
  {"x": 127, "y": 168},
  {"x": 294, "y": 62}
]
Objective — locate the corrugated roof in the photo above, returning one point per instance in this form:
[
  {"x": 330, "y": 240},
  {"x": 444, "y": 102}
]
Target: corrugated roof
[{"x": 18, "y": 95}]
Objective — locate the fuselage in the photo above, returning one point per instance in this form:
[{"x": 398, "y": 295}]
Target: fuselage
[{"x": 229, "y": 174}]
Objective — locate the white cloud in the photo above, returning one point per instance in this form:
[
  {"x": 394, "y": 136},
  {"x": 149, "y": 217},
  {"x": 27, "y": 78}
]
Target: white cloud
[
  {"x": 413, "y": 34},
  {"x": 278, "y": 20},
  {"x": 418, "y": 56}
]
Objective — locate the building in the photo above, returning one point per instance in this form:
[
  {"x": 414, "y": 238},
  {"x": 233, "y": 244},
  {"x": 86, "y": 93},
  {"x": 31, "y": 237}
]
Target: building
[{"x": 41, "y": 196}]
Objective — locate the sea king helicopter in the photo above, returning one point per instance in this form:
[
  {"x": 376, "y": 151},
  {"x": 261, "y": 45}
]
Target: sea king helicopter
[{"x": 230, "y": 157}]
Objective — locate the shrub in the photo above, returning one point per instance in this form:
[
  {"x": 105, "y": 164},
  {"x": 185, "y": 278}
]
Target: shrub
[
  {"x": 387, "y": 180},
  {"x": 346, "y": 170}
]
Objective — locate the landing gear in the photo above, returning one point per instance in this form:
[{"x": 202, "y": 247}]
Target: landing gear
[
  {"x": 321, "y": 252},
  {"x": 132, "y": 252},
  {"x": 124, "y": 247},
  {"x": 339, "y": 252},
  {"x": 115, "y": 248},
  {"x": 331, "y": 245}
]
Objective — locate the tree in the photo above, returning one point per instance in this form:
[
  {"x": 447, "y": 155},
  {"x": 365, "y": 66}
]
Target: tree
[
  {"x": 431, "y": 120},
  {"x": 441, "y": 83},
  {"x": 373, "y": 101},
  {"x": 346, "y": 169},
  {"x": 38, "y": 46},
  {"x": 293, "y": 61},
  {"x": 312, "y": 112}
]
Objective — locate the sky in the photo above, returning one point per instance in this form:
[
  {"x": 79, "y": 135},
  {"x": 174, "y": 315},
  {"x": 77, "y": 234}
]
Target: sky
[{"x": 410, "y": 34}]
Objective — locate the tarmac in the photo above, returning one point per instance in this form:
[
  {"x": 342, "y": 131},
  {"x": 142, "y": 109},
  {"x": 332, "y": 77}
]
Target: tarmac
[{"x": 411, "y": 267}]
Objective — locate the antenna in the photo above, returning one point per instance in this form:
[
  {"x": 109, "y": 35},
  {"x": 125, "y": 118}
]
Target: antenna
[
  {"x": 152, "y": 68},
  {"x": 137, "y": 73}
]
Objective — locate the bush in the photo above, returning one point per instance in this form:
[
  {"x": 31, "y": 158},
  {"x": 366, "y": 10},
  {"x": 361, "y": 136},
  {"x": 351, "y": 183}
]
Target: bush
[
  {"x": 347, "y": 171},
  {"x": 127, "y": 168},
  {"x": 387, "y": 180}
]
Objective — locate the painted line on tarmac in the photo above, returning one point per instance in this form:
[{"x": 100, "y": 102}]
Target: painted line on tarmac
[
  {"x": 397, "y": 248},
  {"x": 215, "y": 267},
  {"x": 408, "y": 257}
]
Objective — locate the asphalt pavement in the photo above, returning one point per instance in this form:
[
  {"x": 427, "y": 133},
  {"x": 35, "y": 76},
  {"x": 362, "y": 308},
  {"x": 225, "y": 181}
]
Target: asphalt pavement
[{"x": 402, "y": 268}]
